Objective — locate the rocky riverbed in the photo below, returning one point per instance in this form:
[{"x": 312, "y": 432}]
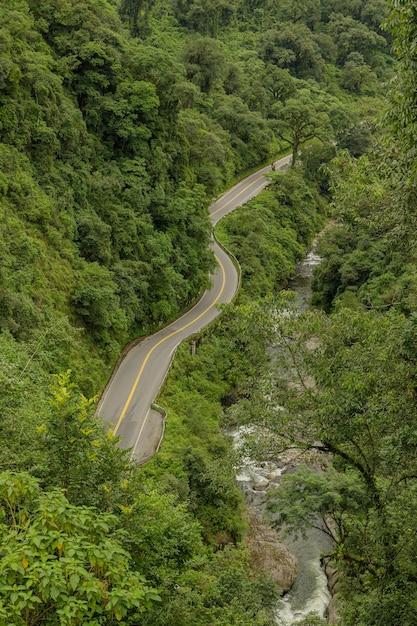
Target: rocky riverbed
[{"x": 294, "y": 564}]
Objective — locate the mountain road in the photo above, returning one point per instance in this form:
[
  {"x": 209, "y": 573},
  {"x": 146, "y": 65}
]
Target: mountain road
[{"x": 126, "y": 403}]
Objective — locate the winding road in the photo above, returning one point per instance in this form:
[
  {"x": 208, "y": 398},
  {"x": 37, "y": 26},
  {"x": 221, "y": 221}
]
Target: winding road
[{"x": 126, "y": 403}]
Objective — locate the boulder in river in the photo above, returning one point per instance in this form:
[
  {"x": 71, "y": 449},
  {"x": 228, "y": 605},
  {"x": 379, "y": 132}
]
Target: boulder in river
[
  {"x": 269, "y": 553},
  {"x": 261, "y": 485}
]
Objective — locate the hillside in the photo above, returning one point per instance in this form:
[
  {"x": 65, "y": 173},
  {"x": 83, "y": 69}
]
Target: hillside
[{"x": 113, "y": 141}]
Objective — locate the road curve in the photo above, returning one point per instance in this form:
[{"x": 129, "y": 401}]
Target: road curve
[{"x": 126, "y": 401}]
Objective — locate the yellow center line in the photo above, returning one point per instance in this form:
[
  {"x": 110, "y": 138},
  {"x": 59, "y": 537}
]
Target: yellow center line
[
  {"x": 175, "y": 332},
  {"x": 237, "y": 195},
  {"x": 277, "y": 163}
]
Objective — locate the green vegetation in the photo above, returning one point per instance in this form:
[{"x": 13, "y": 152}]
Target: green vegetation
[
  {"x": 112, "y": 143},
  {"x": 342, "y": 387},
  {"x": 271, "y": 233},
  {"x": 61, "y": 562},
  {"x": 119, "y": 121},
  {"x": 343, "y": 391}
]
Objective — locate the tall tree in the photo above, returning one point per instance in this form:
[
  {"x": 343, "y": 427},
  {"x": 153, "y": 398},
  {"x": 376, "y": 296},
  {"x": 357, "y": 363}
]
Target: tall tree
[
  {"x": 207, "y": 16},
  {"x": 137, "y": 14},
  {"x": 82, "y": 458},
  {"x": 300, "y": 119},
  {"x": 293, "y": 46}
]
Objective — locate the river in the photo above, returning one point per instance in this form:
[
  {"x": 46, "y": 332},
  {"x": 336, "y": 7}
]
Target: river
[{"x": 309, "y": 592}]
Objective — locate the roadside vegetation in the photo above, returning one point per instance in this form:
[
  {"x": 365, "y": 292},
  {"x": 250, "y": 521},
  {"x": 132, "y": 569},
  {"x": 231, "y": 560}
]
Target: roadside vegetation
[{"x": 119, "y": 122}]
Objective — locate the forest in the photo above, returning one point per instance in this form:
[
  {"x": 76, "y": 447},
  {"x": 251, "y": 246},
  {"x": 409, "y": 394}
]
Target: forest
[{"x": 120, "y": 121}]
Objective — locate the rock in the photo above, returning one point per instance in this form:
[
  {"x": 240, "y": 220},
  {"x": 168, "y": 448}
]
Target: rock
[
  {"x": 261, "y": 485},
  {"x": 333, "y": 584},
  {"x": 253, "y": 498},
  {"x": 269, "y": 554},
  {"x": 332, "y": 579},
  {"x": 332, "y": 615},
  {"x": 275, "y": 475}
]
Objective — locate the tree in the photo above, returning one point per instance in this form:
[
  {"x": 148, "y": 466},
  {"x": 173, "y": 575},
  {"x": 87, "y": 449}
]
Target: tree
[
  {"x": 94, "y": 238},
  {"x": 300, "y": 119},
  {"x": 162, "y": 535},
  {"x": 351, "y": 35},
  {"x": 207, "y": 16},
  {"x": 218, "y": 591},
  {"x": 344, "y": 390},
  {"x": 214, "y": 497},
  {"x": 205, "y": 62},
  {"x": 96, "y": 301},
  {"x": 294, "y": 11},
  {"x": 23, "y": 383},
  {"x": 62, "y": 564},
  {"x": 270, "y": 233},
  {"x": 316, "y": 158},
  {"x": 292, "y": 46},
  {"x": 374, "y": 13},
  {"x": 278, "y": 82},
  {"x": 251, "y": 137},
  {"x": 357, "y": 76},
  {"x": 402, "y": 24},
  {"x": 81, "y": 457},
  {"x": 137, "y": 14},
  {"x": 369, "y": 254},
  {"x": 207, "y": 149},
  {"x": 357, "y": 139}
]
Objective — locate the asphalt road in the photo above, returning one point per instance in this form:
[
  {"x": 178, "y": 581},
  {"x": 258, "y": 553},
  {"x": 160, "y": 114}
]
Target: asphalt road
[{"x": 126, "y": 401}]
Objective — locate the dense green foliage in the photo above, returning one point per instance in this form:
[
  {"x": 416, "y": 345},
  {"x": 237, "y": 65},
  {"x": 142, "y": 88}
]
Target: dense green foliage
[
  {"x": 119, "y": 121},
  {"x": 112, "y": 143},
  {"x": 370, "y": 255},
  {"x": 170, "y": 514},
  {"x": 343, "y": 392},
  {"x": 96, "y": 540},
  {"x": 271, "y": 233},
  {"x": 342, "y": 385},
  {"x": 61, "y": 563}
]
